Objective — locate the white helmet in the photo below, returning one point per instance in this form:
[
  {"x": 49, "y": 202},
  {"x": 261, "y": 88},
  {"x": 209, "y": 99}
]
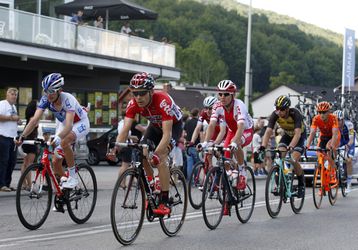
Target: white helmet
[
  {"x": 209, "y": 101},
  {"x": 339, "y": 114},
  {"x": 226, "y": 86}
]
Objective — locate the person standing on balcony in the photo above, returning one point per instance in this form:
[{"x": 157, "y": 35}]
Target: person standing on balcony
[
  {"x": 8, "y": 131},
  {"x": 98, "y": 23},
  {"x": 77, "y": 18},
  {"x": 126, "y": 29}
]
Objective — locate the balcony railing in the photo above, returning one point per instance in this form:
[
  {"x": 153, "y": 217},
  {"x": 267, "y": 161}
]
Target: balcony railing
[{"x": 28, "y": 27}]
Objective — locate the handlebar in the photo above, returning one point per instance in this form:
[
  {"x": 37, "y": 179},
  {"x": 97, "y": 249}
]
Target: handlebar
[
  {"x": 38, "y": 141},
  {"x": 131, "y": 144}
]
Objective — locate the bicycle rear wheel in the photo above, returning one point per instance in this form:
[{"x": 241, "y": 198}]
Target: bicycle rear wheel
[
  {"x": 195, "y": 185},
  {"x": 127, "y": 207},
  {"x": 296, "y": 202},
  {"x": 245, "y": 208},
  {"x": 333, "y": 191},
  {"x": 274, "y": 192},
  {"x": 213, "y": 198},
  {"x": 82, "y": 199},
  {"x": 342, "y": 179},
  {"x": 178, "y": 203},
  {"x": 317, "y": 188},
  {"x": 33, "y": 203}
]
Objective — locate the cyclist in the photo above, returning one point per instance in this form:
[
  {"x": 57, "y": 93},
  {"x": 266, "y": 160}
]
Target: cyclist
[
  {"x": 164, "y": 130},
  {"x": 291, "y": 121},
  {"x": 348, "y": 140},
  {"x": 73, "y": 124},
  {"x": 239, "y": 124},
  {"x": 330, "y": 136}
]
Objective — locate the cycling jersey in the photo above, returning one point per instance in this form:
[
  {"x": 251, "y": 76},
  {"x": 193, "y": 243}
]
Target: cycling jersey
[
  {"x": 204, "y": 116},
  {"x": 325, "y": 127},
  {"x": 161, "y": 108},
  {"x": 68, "y": 104},
  {"x": 237, "y": 114},
  {"x": 347, "y": 132},
  {"x": 289, "y": 124}
]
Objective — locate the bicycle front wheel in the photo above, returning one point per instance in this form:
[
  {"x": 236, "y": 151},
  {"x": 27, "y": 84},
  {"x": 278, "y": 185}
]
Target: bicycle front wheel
[
  {"x": 33, "y": 202},
  {"x": 317, "y": 188},
  {"x": 178, "y": 203},
  {"x": 247, "y": 196},
  {"x": 274, "y": 192},
  {"x": 333, "y": 191},
  {"x": 195, "y": 185},
  {"x": 342, "y": 179},
  {"x": 127, "y": 207},
  {"x": 296, "y": 202},
  {"x": 82, "y": 199},
  {"x": 213, "y": 198}
]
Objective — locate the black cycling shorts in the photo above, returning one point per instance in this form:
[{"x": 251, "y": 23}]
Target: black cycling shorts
[
  {"x": 286, "y": 140},
  {"x": 28, "y": 149}
]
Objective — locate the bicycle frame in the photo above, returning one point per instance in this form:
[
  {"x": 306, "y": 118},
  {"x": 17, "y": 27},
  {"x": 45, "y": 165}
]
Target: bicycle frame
[{"x": 325, "y": 172}]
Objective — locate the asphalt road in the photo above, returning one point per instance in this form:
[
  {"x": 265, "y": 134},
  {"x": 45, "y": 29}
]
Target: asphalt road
[{"x": 331, "y": 227}]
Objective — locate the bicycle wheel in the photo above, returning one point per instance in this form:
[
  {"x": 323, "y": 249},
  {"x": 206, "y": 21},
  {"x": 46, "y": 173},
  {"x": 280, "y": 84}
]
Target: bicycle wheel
[
  {"x": 82, "y": 199},
  {"x": 213, "y": 198},
  {"x": 127, "y": 207},
  {"x": 245, "y": 207},
  {"x": 178, "y": 203},
  {"x": 333, "y": 191},
  {"x": 317, "y": 188},
  {"x": 342, "y": 179},
  {"x": 33, "y": 204},
  {"x": 274, "y": 192},
  {"x": 296, "y": 202},
  {"x": 195, "y": 185}
]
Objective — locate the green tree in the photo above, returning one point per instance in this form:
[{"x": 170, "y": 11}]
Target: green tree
[{"x": 283, "y": 78}]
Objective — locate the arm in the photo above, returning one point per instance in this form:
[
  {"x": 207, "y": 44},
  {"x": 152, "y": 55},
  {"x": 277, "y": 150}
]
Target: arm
[
  {"x": 167, "y": 135},
  {"x": 221, "y": 135},
  {"x": 266, "y": 137},
  {"x": 33, "y": 122},
  {"x": 335, "y": 137},
  {"x": 296, "y": 137},
  {"x": 196, "y": 132},
  {"x": 68, "y": 125},
  {"x": 310, "y": 137},
  {"x": 5, "y": 118}
]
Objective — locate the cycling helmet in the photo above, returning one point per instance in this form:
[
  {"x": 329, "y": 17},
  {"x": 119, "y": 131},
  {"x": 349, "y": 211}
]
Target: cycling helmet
[
  {"x": 209, "y": 101},
  {"x": 339, "y": 114},
  {"x": 142, "y": 81},
  {"x": 52, "y": 82},
  {"x": 323, "y": 106},
  {"x": 282, "y": 101},
  {"x": 227, "y": 86}
]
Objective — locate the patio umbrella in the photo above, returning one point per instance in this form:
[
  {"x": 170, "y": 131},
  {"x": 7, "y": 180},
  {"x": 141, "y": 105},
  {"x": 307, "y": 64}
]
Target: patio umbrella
[{"x": 113, "y": 9}]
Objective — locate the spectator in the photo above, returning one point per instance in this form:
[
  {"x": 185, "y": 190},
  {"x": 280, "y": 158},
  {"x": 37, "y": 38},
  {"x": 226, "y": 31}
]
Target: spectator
[
  {"x": 8, "y": 131},
  {"x": 257, "y": 162},
  {"x": 77, "y": 18},
  {"x": 126, "y": 29},
  {"x": 98, "y": 23},
  {"x": 192, "y": 154},
  {"x": 30, "y": 150}
]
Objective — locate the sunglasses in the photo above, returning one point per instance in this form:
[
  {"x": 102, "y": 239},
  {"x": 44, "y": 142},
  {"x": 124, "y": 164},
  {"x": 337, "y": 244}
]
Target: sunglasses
[
  {"x": 280, "y": 109},
  {"x": 140, "y": 93},
  {"x": 224, "y": 94},
  {"x": 49, "y": 92},
  {"x": 322, "y": 112}
]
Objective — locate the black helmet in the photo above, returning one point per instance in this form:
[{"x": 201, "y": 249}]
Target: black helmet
[{"x": 283, "y": 101}]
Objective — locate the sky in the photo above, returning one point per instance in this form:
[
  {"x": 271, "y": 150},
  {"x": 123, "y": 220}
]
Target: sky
[{"x": 329, "y": 14}]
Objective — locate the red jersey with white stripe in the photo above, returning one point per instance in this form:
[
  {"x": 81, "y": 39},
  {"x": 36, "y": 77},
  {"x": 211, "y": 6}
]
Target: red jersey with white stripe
[
  {"x": 161, "y": 108},
  {"x": 204, "y": 116},
  {"x": 237, "y": 114}
]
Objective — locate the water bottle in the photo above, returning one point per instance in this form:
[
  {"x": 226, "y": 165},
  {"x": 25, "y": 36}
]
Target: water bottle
[
  {"x": 157, "y": 185},
  {"x": 234, "y": 176},
  {"x": 325, "y": 164}
]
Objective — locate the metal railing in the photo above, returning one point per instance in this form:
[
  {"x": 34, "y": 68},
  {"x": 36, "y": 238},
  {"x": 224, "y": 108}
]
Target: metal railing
[{"x": 28, "y": 27}]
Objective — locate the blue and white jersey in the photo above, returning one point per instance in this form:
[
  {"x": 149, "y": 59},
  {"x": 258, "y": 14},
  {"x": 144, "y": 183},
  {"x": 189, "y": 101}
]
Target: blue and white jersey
[{"x": 69, "y": 104}]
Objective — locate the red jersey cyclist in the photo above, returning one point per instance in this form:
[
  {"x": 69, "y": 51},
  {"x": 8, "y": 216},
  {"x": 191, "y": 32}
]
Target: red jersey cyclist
[
  {"x": 327, "y": 123},
  {"x": 165, "y": 128},
  {"x": 73, "y": 124},
  {"x": 239, "y": 124}
]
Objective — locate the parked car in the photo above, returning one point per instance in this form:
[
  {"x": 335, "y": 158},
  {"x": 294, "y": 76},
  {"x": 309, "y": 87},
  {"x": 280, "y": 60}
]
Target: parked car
[{"x": 99, "y": 147}]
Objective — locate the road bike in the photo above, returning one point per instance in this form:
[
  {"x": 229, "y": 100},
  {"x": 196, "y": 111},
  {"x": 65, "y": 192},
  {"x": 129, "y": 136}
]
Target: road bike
[
  {"x": 221, "y": 192},
  {"x": 325, "y": 179},
  {"x": 33, "y": 202},
  {"x": 133, "y": 199},
  {"x": 281, "y": 185}
]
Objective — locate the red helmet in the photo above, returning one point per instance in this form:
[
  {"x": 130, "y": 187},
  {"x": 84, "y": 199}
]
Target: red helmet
[
  {"x": 323, "y": 106},
  {"x": 227, "y": 86},
  {"x": 142, "y": 81}
]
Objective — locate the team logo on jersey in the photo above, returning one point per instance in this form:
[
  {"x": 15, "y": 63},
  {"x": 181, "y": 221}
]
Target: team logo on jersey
[{"x": 67, "y": 103}]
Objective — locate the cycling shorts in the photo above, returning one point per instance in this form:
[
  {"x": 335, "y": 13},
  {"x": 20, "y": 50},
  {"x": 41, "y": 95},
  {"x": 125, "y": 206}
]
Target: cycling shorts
[
  {"x": 286, "y": 140},
  {"x": 80, "y": 128},
  {"x": 246, "y": 139}
]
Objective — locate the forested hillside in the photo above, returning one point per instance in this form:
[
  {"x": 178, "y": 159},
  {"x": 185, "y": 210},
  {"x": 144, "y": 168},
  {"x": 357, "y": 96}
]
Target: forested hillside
[{"x": 211, "y": 45}]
